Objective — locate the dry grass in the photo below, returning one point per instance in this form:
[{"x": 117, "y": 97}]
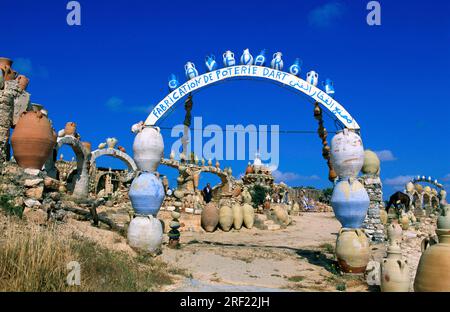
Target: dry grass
[{"x": 35, "y": 259}]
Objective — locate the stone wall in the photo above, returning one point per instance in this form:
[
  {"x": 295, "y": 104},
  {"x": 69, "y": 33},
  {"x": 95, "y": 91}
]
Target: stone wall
[{"x": 372, "y": 225}]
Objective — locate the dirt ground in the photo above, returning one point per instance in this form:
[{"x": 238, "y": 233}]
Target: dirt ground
[{"x": 298, "y": 258}]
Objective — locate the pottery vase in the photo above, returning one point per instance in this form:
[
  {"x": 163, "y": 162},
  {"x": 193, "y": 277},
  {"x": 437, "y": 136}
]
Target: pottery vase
[
  {"x": 312, "y": 78},
  {"x": 347, "y": 153},
  {"x": 246, "y": 197},
  {"x": 395, "y": 273},
  {"x": 371, "y": 163},
  {"x": 87, "y": 146},
  {"x": 33, "y": 140},
  {"x": 277, "y": 61},
  {"x": 145, "y": 233},
  {"x": 246, "y": 58},
  {"x": 267, "y": 205},
  {"x": 148, "y": 149},
  {"x": 70, "y": 128},
  {"x": 210, "y": 217},
  {"x": 350, "y": 203},
  {"x": 238, "y": 216},
  {"x": 433, "y": 271},
  {"x": 226, "y": 218},
  {"x": 352, "y": 250},
  {"x": 23, "y": 82},
  {"x": 404, "y": 222},
  {"x": 282, "y": 215},
  {"x": 146, "y": 194},
  {"x": 394, "y": 233},
  {"x": 443, "y": 221},
  {"x": 249, "y": 215},
  {"x": 111, "y": 142}
]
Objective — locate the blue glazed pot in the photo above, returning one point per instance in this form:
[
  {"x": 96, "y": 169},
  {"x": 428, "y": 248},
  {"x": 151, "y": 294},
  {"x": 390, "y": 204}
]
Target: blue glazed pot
[
  {"x": 146, "y": 194},
  {"x": 350, "y": 203}
]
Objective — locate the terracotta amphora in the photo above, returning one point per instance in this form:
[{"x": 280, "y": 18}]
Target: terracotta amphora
[
  {"x": 433, "y": 271},
  {"x": 395, "y": 273},
  {"x": 70, "y": 128},
  {"x": 23, "y": 82},
  {"x": 210, "y": 217},
  {"x": 33, "y": 140},
  {"x": 352, "y": 250}
]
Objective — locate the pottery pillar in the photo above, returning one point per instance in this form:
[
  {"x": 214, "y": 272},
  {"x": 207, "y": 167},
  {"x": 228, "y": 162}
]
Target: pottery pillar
[
  {"x": 7, "y": 96},
  {"x": 372, "y": 224}
]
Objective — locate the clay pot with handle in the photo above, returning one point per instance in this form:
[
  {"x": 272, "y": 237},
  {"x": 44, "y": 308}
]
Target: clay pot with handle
[
  {"x": 23, "y": 82},
  {"x": 352, "y": 250},
  {"x": 70, "y": 128},
  {"x": 33, "y": 140},
  {"x": 395, "y": 273}
]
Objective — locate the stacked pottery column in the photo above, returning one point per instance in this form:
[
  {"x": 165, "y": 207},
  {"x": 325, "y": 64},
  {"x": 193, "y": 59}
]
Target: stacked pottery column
[
  {"x": 350, "y": 202},
  {"x": 146, "y": 193}
]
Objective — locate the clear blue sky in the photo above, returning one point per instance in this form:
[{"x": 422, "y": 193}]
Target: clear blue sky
[{"x": 107, "y": 73}]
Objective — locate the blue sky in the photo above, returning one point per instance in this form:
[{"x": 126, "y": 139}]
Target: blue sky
[{"x": 108, "y": 73}]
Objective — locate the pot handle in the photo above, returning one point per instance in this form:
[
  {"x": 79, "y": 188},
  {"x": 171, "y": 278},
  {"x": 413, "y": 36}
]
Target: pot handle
[
  {"x": 401, "y": 264},
  {"x": 425, "y": 244}
]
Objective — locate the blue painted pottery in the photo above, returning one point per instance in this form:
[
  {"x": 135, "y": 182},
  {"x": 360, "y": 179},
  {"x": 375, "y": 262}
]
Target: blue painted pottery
[
  {"x": 146, "y": 194},
  {"x": 350, "y": 203}
]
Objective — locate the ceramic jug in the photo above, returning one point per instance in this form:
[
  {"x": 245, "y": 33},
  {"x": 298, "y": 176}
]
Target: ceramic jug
[
  {"x": 260, "y": 60},
  {"x": 228, "y": 59},
  {"x": 191, "y": 71},
  {"x": 347, "y": 153},
  {"x": 295, "y": 68},
  {"x": 211, "y": 63},
  {"x": 148, "y": 148},
  {"x": 352, "y": 250},
  {"x": 246, "y": 58},
  {"x": 277, "y": 61},
  {"x": 395, "y": 273},
  {"x": 444, "y": 219},
  {"x": 312, "y": 78}
]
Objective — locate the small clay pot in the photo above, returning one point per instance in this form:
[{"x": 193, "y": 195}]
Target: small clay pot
[
  {"x": 70, "y": 128},
  {"x": 87, "y": 146},
  {"x": 23, "y": 82}
]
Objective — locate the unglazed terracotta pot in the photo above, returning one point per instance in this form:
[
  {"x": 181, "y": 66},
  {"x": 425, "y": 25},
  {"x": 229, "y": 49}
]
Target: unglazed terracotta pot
[
  {"x": 347, "y": 153},
  {"x": 238, "y": 216},
  {"x": 383, "y": 216},
  {"x": 249, "y": 215},
  {"x": 226, "y": 218},
  {"x": 394, "y": 232},
  {"x": 87, "y": 146},
  {"x": 371, "y": 163},
  {"x": 5, "y": 66},
  {"x": 148, "y": 148},
  {"x": 444, "y": 219},
  {"x": 33, "y": 140},
  {"x": 433, "y": 271},
  {"x": 405, "y": 221},
  {"x": 23, "y": 82},
  {"x": 352, "y": 250},
  {"x": 210, "y": 217},
  {"x": 282, "y": 215},
  {"x": 246, "y": 197},
  {"x": 395, "y": 273},
  {"x": 267, "y": 205},
  {"x": 70, "y": 128},
  {"x": 249, "y": 169}
]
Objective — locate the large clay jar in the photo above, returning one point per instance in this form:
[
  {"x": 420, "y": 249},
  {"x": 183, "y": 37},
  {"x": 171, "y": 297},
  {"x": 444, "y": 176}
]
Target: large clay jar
[
  {"x": 433, "y": 271},
  {"x": 146, "y": 194},
  {"x": 23, "y": 82},
  {"x": 352, "y": 250},
  {"x": 33, "y": 140},
  {"x": 347, "y": 153},
  {"x": 238, "y": 216},
  {"x": 246, "y": 197},
  {"x": 145, "y": 233},
  {"x": 282, "y": 215},
  {"x": 350, "y": 203},
  {"x": 148, "y": 149},
  {"x": 405, "y": 221},
  {"x": 383, "y": 216},
  {"x": 70, "y": 128},
  {"x": 443, "y": 221},
  {"x": 226, "y": 218},
  {"x": 371, "y": 163},
  {"x": 249, "y": 215},
  {"x": 210, "y": 217},
  {"x": 395, "y": 273}
]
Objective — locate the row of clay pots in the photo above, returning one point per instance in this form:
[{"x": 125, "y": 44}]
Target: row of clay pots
[{"x": 227, "y": 217}]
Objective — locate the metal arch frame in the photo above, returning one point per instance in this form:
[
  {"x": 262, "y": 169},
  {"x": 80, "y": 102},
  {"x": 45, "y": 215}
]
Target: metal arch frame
[{"x": 250, "y": 71}]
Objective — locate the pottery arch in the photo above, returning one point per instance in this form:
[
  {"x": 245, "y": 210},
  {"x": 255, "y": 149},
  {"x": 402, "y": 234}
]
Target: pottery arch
[
  {"x": 81, "y": 189},
  {"x": 132, "y": 167},
  {"x": 253, "y": 72}
]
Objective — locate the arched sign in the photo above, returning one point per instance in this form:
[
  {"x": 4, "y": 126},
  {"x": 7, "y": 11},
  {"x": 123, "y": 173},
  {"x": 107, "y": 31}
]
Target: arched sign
[{"x": 252, "y": 71}]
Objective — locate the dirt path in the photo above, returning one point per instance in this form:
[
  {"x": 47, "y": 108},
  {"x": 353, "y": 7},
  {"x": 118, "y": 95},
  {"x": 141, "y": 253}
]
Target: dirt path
[{"x": 299, "y": 257}]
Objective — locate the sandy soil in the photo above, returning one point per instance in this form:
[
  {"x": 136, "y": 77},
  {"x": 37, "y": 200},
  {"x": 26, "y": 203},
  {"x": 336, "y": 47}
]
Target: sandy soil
[{"x": 298, "y": 258}]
